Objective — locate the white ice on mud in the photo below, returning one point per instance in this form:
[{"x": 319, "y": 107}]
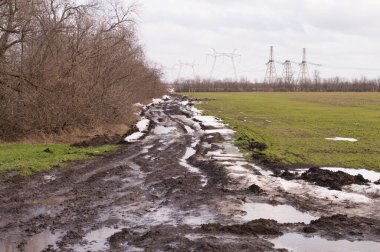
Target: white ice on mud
[{"x": 142, "y": 126}]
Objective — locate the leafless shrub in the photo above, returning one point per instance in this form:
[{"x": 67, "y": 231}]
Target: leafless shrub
[{"x": 66, "y": 66}]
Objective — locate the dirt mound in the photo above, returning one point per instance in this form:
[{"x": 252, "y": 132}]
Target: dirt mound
[
  {"x": 332, "y": 180},
  {"x": 255, "y": 227},
  {"x": 341, "y": 226},
  {"x": 118, "y": 239},
  {"x": 255, "y": 189},
  {"x": 288, "y": 175},
  {"x": 98, "y": 140}
]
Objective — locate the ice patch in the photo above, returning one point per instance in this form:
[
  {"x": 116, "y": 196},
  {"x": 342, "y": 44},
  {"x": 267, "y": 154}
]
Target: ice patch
[{"x": 343, "y": 139}]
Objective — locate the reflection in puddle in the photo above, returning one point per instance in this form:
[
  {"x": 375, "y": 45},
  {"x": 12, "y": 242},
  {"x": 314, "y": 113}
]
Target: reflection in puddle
[
  {"x": 36, "y": 243},
  {"x": 97, "y": 239},
  {"x": 299, "y": 243},
  {"x": 280, "y": 213},
  {"x": 200, "y": 216},
  {"x": 42, "y": 240}
]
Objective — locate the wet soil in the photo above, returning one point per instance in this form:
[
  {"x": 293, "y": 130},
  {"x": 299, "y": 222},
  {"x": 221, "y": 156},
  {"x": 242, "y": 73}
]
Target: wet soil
[
  {"x": 148, "y": 197},
  {"x": 330, "y": 179}
]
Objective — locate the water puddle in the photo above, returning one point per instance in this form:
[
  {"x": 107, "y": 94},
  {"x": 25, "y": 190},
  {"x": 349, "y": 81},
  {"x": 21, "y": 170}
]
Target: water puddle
[
  {"x": 280, "y": 213},
  {"x": 42, "y": 240},
  {"x": 97, "y": 239},
  {"x": 299, "y": 243},
  {"x": 36, "y": 243},
  {"x": 202, "y": 216},
  {"x": 190, "y": 151}
]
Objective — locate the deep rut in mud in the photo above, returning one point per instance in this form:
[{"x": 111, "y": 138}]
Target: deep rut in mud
[{"x": 183, "y": 187}]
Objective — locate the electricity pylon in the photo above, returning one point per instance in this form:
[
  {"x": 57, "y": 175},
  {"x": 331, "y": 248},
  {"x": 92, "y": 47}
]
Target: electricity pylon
[
  {"x": 181, "y": 65},
  {"x": 287, "y": 74},
  {"x": 231, "y": 56},
  {"x": 303, "y": 76},
  {"x": 270, "y": 75}
]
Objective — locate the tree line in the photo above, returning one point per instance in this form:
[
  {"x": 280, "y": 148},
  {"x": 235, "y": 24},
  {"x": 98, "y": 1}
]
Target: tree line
[
  {"x": 67, "y": 65},
  {"x": 326, "y": 85}
]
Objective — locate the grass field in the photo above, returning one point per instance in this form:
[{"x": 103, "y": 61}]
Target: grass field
[
  {"x": 294, "y": 125},
  {"x": 26, "y": 159}
]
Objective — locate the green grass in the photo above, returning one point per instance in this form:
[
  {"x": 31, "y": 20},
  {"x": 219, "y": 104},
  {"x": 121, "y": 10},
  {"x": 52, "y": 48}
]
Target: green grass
[
  {"x": 294, "y": 125},
  {"x": 26, "y": 159}
]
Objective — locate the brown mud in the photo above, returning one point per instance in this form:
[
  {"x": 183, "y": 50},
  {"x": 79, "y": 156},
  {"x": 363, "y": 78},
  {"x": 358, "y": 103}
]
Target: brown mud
[{"x": 147, "y": 197}]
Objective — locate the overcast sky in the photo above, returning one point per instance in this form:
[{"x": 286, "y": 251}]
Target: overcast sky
[{"x": 335, "y": 33}]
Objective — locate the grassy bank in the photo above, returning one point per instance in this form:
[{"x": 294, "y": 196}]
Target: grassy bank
[
  {"x": 26, "y": 159},
  {"x": 294, "y": 126}
]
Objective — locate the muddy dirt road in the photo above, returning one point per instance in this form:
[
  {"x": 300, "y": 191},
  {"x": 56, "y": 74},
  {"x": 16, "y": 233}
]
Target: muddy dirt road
[{"x": 183, "y": 187}]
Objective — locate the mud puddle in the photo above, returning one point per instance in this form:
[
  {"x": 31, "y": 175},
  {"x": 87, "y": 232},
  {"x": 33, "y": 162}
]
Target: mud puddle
[
  {"x": 38, "y": 242},
  {"x": 279, "y": 213},
  {"x": 300, "y": 243}
]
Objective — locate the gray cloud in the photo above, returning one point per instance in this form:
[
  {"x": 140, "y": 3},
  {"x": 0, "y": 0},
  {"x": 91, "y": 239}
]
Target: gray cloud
[{"x": 337, "y": 32}]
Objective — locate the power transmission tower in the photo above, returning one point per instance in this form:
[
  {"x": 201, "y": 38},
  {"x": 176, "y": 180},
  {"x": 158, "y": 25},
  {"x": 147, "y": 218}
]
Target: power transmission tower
[
  {"x": 287, "y": 73},
  {"x": 270, "y": 75},
  {"x": 303, "y": 76},
  {"x": 232, "y": 56},
  {"x": 181, "y": 65}
]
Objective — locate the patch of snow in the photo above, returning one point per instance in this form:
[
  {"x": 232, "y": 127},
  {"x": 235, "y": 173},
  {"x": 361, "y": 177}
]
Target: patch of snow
[
  {"x": 138, "y": 105},
  {"x": 50, "y": 178},
  {"x": 184, "y": 103},
  {"x": 143, "y": 124},
  {"x": 209, "y": 121},
  {"x": 196, "y": 111},
  {"x": 371, "y": 190},
  {"x": 166, "y": 97},
  {"x": 220, "y": 131},
  {"x": 134, "y": 137},
  {"x": 156, "y": 101},
  {"x": 343, "y": 139}
]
